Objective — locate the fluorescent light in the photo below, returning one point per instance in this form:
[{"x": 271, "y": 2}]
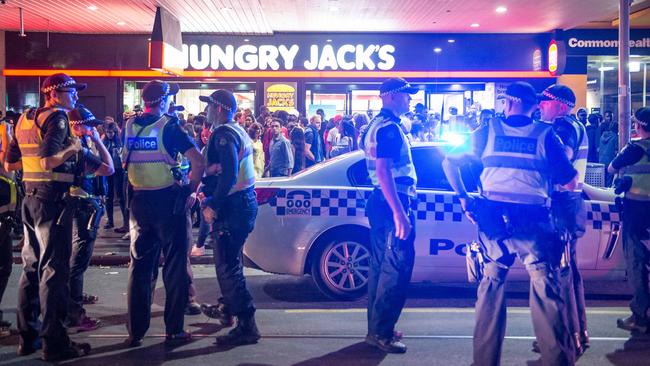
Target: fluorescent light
[
  {"x": 92, "y": 7},
  {"x": 475, "y": 25},
  {"x": 226, "y": 9},
  {"x": 605, "y": 68},
  {"x": 121, "y": 23},
  {"x": 451, "y": 40},
  {"x": 501, "y": 9},
  {"x": 635, "y": 66},
  {"x": 437, "y": 50},
  {"x": 329, "y": 40},
  {"x": 246, "y": 39},
  {"x": 592, "y": 82},
  {"x": 334, "y": 9}
]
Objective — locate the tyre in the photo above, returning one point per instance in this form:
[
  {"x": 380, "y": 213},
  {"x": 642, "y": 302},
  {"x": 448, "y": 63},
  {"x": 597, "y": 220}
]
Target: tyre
[{"x": 341, "y": 264}]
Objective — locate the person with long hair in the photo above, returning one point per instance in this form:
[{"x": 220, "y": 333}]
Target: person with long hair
[
  {"x": 348, "y": 140},
  {"x": 298, "y": 147},
  {"x": 255, "y": 132}
]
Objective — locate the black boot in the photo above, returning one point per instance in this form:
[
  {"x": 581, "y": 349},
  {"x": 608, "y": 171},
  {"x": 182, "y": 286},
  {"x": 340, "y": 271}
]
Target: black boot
[
  {"x": 220, "y": 312},
  {"x": 245, "y": 332}
]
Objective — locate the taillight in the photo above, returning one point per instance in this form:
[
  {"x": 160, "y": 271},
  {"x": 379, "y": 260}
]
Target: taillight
[{"x": 265, "y": 195}]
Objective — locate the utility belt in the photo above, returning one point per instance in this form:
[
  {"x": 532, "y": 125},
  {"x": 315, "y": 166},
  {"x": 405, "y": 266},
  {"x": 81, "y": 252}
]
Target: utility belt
[
  {"x": 499, "y": 220},
  {"x": 92, "y": 206},
  {"x": 44, "y": 193}
]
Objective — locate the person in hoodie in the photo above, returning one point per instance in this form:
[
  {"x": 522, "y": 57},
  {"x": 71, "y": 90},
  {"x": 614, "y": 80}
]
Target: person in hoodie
[{"x": 607, "y": 149}]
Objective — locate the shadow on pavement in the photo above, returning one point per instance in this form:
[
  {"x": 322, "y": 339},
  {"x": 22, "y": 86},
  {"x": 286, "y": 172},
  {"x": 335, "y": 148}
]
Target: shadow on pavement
[
  {"x": 358, "y": 354},
  {"x": 636, "y": 351}
]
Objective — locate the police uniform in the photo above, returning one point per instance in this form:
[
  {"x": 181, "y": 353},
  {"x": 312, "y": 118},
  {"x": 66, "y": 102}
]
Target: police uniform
[
  {"x": 634, "y": 162},
  {"x": 514, "y": 221},
  {"x": 152, "y": 143},
  {"x": 569, "y": 214},
  {"x": 8, "y": 204},
  {"x": 392, "y": 258},
  {"x": 43, "y": 284},
  {"x": 86, "y": 200},
  {"x": 232, "y": 197}
]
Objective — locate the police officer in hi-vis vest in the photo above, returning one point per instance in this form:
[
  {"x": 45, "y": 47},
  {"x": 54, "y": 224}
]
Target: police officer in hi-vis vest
[
  {"x": 520, "y": 158},
  {"x": 231, "y": 207},
  {"x": 159, "y": 208},
  {"x": 569, "y": 214},
  {"x": 634, "y": 162},
  {"x": 45, "y": 149},
  {"x": 392, "y": 223},
  {"x": 86, "y": 198}
]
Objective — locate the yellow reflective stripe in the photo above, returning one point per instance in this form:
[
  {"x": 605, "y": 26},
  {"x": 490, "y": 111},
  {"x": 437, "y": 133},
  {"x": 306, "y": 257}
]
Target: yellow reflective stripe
[{"x": 48, "y": 176}]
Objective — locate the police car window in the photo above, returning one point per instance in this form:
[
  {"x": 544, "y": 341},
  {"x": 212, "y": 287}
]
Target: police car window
[{"x": 358, "y": 174}]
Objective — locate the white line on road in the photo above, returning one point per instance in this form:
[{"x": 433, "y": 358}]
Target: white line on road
[
  {"x": 447, "y": 311},
  {"x": 351, "y": 336}
]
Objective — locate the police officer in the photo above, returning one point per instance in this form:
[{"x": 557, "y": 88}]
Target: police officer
[
  {"x": 514, "y": 221},
  {"x": 8, "y": 202},
  {"x": 634, "y": 162},
  {"x": 392, "y": 224},
  {"x": 44, "y": 148},
  {"x": 231, "y": 208},
  {"x": 86, "y": 201},
  {"x": 567, "y": 207},
  {"x": 159, "y": 207}
]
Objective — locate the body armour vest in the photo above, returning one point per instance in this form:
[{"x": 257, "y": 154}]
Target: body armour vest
[
  {"x": 640, "y": 174},
  {"x": 246, "y": 175},
  {"x": 401, "y": 168},
  {"x": 515, "y": 165},
  {"x": 579, "y": 159},
  {"x": 149, "y": 163},
  {"x": 29, "y": 137}
]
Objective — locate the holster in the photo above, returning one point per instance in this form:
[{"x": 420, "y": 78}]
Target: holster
[
  {"x": 475, "y": 261},
  {"x": 492, "y": 219}
]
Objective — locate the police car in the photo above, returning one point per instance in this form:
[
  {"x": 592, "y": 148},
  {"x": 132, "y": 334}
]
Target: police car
[{"x": 314, "y": 223}]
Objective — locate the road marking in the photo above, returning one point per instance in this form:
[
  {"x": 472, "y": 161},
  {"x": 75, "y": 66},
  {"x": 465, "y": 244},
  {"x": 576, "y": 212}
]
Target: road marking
[
  {"x": 351, "y": 336},
  {"x": 511, "y": 310}
]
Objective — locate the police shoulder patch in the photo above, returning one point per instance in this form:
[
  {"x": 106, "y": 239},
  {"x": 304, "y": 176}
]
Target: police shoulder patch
[
  {"x": 223, "y": 141},
  {"x": 61, "y": 123}
]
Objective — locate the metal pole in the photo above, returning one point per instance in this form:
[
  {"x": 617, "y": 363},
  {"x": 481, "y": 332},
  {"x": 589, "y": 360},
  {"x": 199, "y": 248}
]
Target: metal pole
[
  {"x": 22, "y": 23},
  {"x": 624, "y": 98}
]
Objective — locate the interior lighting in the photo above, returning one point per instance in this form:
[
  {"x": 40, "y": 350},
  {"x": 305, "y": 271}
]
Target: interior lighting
[
  {"x": 501, "y": 9},
  {"x": 475, "y": 25},
  {"x": 334, "y": 9},
  {"x": 246, "y": 40},
  {"x": 605, "y": 68},
  {"x": 92, "y": 7},
  {"x": 590, "y": 82},
  {"x": 121, "y": 23},
  {"x": 451, "y": 40},
  {"x": 437, "y": 50},
  {"x": 635, "y": 66},
  {"x": 329, "y": 41}
]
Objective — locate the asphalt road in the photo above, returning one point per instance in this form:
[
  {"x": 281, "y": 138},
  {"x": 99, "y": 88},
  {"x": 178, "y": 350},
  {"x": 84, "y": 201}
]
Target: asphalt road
[{"x": 301, "y": 327}]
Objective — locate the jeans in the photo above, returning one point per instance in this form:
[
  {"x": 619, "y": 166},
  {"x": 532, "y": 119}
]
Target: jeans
[
  {"x": 234, "y": 222},
  {"x": 636, "y": 247},
  {"x": 154, "y": 230},
  {"x": 115, "y": 186},
  {"x": 391, "y": 265}
]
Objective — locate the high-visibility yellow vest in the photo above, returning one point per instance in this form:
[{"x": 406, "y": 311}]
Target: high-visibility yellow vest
[
  {"x": 149, "y": 163},
  {"x": 640, "y": 173},
  {"x": 8, "y": 204},
  {"x": 28, "y": 134},
  {"x": 246, "y": 175}
]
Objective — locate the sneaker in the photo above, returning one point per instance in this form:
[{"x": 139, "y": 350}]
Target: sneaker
[
  {"x": 197, "y": 251},
  {"x": 109, "y": 225},
  {"x": 245, "y": 332},
  {"x": 178, "y": 338},
  {"x": 89, "y": 299},
  {"x": 126, "y": 236},
  {"x": 74, "y": 350},
  {"x": 121, "y": 230},
  {"x": 388, "y": 345},
  {"x": 192, "y": 308},
  {"x": 86, "y": 324},
  {"x": 219, "y": 312},
  {"x": 633, "y": 324},
  {"x": 5, "y": 331}
]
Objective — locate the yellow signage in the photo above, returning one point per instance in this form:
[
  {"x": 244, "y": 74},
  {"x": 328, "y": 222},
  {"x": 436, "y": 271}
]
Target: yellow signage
[{"x": 280, "y": 96}]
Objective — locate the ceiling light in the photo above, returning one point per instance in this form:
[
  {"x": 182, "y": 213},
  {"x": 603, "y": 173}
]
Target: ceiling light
[
  {"x": 225, "y": 8},
  {"x": 334, "y": 8},
  {"x": 121, "y": 23},
  {"x": 437, "y": 50},
  {"x": 475, "y": 25},
  {"x": 329, "y": 41},
  {"x": 92, "y": 7},
  {"x": 590, "y": 82},
  {"x": 605, "y": 68},
  {"x": 246, "y": 40},
  {"x": 501, "y": 9},
  {"x": 635, "y": 66},
  {"x": 451, "y": 40}
]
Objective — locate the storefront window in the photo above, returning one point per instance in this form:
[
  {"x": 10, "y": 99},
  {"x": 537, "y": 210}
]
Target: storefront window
[
  {"x": 602, "y": 83},
  {"x": 331, "y": 103},
  {"x": 364, "y": 100}
]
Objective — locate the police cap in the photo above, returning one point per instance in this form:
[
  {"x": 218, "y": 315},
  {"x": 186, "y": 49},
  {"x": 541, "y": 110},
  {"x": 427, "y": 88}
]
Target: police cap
[
  {"x": 520, "y": 92},
  {"x": 155, "y": 90},
  {"x": 560, "y": 93},
  {"x": 221, "y": 97},
  {"x": 396, "y": 85},
  {"x": 60, "y": 81},
  {"x": 83, "y": 116}
]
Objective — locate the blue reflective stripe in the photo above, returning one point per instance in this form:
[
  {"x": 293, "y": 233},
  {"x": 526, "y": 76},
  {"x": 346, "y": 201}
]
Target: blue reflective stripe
[{"x": 514, "y": 163}]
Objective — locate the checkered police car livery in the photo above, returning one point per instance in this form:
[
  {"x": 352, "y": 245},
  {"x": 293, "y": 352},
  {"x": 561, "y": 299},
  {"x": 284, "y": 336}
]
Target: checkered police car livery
[{"x": 314, "y": 223}]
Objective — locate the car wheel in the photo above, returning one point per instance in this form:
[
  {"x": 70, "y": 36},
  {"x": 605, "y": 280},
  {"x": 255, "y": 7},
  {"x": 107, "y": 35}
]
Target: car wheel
[{"x": 341, "y": 266}]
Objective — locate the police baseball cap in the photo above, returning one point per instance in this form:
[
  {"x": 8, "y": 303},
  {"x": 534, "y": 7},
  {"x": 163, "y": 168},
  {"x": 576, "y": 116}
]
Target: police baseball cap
[
  {"x": 642, "y": 117},
  {"x": 520, "y": 92},
  {"x": 60, "y": 81},
  {"x": 396, "y": 85},
  {"x": 155, "y": 90},
  {"x": 83, "y": 116},
  {"x": 561, "y": 93},
  {"x": 221, "y": 97}
]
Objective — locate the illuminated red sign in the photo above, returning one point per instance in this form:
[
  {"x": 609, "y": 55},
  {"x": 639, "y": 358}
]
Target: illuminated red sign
[{"x": 552, "y": 57}]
